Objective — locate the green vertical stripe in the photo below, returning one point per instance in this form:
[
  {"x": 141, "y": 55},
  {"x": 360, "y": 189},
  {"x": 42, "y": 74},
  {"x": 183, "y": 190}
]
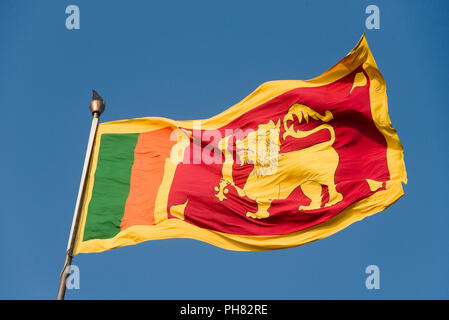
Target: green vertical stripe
[{"x": 111, "y": 185}]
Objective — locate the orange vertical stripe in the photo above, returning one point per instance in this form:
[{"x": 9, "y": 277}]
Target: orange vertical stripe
[{"x": 146, "y": 175}]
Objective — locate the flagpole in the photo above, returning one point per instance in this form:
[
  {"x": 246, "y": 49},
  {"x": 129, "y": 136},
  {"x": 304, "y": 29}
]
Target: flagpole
[{"x": 97, "y": 107}]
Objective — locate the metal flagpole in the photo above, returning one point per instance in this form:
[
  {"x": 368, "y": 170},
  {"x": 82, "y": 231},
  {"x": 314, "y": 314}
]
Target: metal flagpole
[{"x": 97, "y": 107}]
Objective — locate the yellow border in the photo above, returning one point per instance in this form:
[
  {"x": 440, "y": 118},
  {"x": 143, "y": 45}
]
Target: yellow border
[{"x": 173, "y": 228}]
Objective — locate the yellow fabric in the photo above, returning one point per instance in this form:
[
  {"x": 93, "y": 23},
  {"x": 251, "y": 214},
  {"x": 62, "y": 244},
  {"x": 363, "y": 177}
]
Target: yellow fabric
[{"x": 173, "y": 228}]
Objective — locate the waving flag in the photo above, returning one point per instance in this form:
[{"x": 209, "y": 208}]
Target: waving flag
[{"x": 294, "y": 162}]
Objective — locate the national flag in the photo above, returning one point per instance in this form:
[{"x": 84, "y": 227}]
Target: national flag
[{"x": 294, "y": 162}]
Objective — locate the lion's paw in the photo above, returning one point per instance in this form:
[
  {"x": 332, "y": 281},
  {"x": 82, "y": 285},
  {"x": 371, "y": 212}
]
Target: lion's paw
[{"x": 258, "y": 214}]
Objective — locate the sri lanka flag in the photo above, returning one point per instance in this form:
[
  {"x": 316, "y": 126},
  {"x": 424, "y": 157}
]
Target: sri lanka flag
[{"x": 294, "y": 162}]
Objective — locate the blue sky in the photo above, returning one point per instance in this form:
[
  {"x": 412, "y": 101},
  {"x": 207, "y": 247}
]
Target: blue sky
[{"x": 192, "y": 60}]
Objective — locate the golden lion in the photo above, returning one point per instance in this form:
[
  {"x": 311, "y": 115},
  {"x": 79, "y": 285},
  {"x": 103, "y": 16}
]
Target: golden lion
[{"x": 309, "y": 168}]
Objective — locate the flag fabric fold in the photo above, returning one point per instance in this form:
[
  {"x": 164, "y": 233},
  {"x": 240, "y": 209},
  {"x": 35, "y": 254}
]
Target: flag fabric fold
[{"x": 294, "y": 162}]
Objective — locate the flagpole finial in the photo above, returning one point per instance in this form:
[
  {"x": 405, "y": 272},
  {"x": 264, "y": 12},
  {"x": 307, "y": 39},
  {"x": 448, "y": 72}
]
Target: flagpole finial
[{"x": 97, "y": 104}]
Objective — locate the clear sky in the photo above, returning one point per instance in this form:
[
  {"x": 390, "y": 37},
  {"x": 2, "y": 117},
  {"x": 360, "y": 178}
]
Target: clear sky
[{"x": 191, "y": 60}]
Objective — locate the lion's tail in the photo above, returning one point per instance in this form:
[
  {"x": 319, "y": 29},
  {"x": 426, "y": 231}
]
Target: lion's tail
[{"x": 327, "y": 143}]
